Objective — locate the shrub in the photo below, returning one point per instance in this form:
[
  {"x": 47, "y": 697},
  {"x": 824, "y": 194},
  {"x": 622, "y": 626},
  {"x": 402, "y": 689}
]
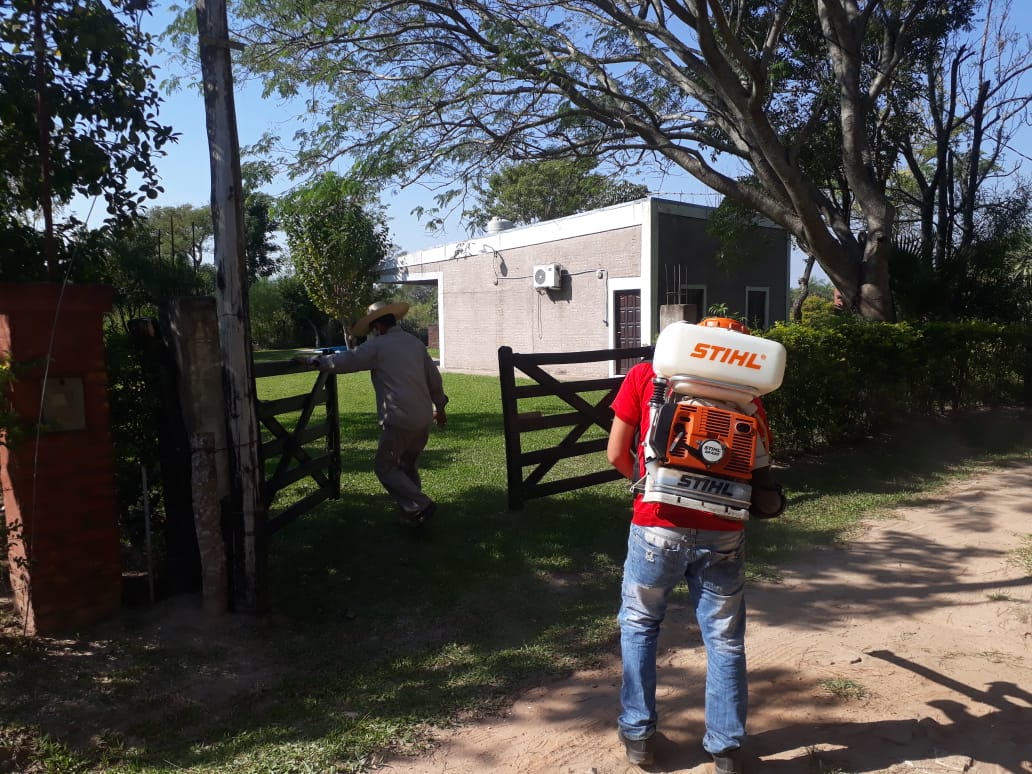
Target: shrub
[{"x": 847, "y": 378}]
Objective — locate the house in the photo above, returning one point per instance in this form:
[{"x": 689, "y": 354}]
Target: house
[{"x": 592, "y": 281}]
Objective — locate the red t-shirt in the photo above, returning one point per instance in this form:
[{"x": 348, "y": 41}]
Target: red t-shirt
[{"x": 631, "y": 406}]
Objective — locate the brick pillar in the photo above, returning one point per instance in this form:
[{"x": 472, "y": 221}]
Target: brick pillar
[{"x": 59, "y": 493}]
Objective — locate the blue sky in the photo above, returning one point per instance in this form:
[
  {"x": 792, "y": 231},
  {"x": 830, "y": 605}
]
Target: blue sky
[{"x": 185, "y": 171}]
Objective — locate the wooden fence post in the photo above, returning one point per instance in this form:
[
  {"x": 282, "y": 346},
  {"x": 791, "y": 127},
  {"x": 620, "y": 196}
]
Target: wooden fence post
[
  {"x": 510, "y": 425},
  {"x": 231, "y": 300}
]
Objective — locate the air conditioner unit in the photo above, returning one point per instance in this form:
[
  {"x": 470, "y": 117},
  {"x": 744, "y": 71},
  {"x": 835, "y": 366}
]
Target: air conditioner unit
[{"x": 548, "y": 276}]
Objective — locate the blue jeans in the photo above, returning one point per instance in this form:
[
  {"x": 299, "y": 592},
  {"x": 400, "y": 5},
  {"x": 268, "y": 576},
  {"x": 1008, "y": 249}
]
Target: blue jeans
[{"x": 713, "y": 564}]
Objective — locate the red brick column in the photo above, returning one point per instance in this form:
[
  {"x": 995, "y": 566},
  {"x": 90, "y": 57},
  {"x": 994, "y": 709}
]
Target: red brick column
[{"x": 59, "y": 493}]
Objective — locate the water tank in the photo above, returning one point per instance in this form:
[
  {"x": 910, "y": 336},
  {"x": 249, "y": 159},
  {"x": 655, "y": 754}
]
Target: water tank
[
  {"x": 718, "y": 363},
  {"x": 496, "y": 224}
]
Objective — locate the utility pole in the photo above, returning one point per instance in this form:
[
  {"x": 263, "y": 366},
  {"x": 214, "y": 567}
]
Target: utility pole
[{"x": 248, "y": 553}]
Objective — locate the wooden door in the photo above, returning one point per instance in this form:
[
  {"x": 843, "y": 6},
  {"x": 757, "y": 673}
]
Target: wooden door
[{"x": 627, "y": 305}]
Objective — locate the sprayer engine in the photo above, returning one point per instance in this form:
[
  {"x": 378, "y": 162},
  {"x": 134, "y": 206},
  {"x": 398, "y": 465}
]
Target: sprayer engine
[
  {"x": 699, "y": 455},
  {"x": 704, "y": 460}
]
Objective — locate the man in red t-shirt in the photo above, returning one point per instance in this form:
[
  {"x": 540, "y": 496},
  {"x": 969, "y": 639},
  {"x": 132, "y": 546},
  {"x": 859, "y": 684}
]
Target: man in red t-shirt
[{"x": 668, "y": 544}]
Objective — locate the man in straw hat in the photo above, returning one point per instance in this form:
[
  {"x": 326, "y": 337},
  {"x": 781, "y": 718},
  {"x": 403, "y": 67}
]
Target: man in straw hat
[{"x": 409, "y": 397}]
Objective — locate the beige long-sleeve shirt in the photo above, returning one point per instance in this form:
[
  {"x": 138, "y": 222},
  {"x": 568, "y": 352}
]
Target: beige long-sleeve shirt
[{"x": 407, "y": 383}]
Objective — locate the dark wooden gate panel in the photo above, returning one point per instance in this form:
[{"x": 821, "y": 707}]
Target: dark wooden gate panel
[
  {"x": 628, "y": 325},
  {"x": 293, "y": 461},
  {"x": 584, "y": 415}
]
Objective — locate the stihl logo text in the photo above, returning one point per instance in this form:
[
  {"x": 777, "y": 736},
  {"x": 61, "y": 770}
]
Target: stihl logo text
[
  {"x": 738, "y": 357},
  {"x": 706, "y": 485}
]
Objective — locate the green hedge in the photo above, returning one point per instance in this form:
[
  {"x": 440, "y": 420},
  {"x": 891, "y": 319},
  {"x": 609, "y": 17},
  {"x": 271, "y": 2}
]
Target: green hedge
[{"x": 850, "y": 378}]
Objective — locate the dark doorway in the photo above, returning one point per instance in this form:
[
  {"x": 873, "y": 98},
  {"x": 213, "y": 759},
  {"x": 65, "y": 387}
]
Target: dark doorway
[{"x": 628, "y": 325}]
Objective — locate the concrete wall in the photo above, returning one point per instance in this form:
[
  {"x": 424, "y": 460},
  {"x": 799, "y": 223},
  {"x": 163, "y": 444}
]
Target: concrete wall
[
  {"x": 491, "y": 301},
  {"x": 486, "y": 297},
  {"x": 759, "y": 258}
]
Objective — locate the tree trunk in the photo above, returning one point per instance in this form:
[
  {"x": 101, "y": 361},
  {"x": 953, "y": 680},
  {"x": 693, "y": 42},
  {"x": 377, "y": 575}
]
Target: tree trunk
[
  {"x": 804, "y": 285},
  {"x": 874, "y": 300}
]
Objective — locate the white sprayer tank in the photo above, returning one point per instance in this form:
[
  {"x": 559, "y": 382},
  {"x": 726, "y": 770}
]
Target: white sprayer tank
[{"x": 718, "y": 363}]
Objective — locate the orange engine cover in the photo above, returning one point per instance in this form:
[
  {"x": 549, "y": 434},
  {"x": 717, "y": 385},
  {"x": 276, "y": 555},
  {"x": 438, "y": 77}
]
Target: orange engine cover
[{"x": 706, "y": 438}]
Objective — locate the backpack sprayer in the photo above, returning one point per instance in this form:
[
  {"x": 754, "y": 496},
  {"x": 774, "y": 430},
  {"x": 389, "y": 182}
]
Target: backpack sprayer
[{"x": 703, "y": 437}]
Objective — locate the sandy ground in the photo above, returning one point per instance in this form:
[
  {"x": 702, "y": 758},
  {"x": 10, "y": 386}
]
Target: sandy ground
[{"x": 927, "y": 612}]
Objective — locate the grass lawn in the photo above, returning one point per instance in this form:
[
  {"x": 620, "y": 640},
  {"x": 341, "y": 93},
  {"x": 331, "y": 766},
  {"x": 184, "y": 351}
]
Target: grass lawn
[{"x": 377, "y": 632}]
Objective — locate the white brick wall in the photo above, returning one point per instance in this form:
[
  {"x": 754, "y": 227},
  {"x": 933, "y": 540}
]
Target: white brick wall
[
  {"x": 487, "y": 299},
  {"x": 490, "y": 300}
]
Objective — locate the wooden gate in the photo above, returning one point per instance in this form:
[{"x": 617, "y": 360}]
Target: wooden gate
[
  {"x": 584, "y": 415},
  {"x": 293, "y": 462}
]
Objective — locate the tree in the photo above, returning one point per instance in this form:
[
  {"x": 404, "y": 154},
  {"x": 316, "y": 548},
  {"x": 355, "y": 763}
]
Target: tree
[
  {"x": 974, "y": 102},
  {"x": 1019, "y": 267},
  {"x": 795, "y": 92},
  {"x": 185, "y": 232},
  {"x": 129, "y": 259},
  {"x": 182, "y": 232},
  {"x": 78, "y": 112},
  {"x": 816, "y": 288},
  {"x": 958, "y": 202},
  {"x": 261, "y": 251},
  {"x": 307, "y": 319},
  {"x": 545, "y": 190},
  {"x": 422, "y": 300},
  {"x": 270, "y": 323},
  {"x": 335, "y": 245}
]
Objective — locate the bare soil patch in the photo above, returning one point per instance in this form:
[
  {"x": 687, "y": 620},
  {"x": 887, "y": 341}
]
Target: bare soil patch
[{"x": 909, "y": 649}]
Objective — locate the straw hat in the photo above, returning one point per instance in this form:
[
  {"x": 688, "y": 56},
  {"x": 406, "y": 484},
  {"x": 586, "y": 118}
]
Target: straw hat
[{"x": 376, "y": 310}]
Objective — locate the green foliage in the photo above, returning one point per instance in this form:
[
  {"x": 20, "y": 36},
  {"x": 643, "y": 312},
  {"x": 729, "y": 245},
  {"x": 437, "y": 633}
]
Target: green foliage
[
  {"x": 135, "y": 404},
  {"x": 127, "y": 257},
  {"x": 958, "y": 116},
  {"x": 817, "y": 287},
  {"x": 818, "y": 310},
  {"x": 185, "y": 232},
  {"x": 99, "y": 112},
  {"x": 9, "y": 422},
  {"x": 983, "y": 281},
  {"x": 422, "y": 300},
  {"x": 544, "y": 190},
  {"x": 310, "y": 325},
  {"x": 335, "y": 245},
  {"x": 260, "y": 249},
  {"x": 271, "y": 325},
  {"x": 21, "y": 248},
  {"x": 1018, "y": 268},
  {"x": 733, "y": 225},
  {"x": 848, "y": 379},
  {"x": 130, "y": 259}
]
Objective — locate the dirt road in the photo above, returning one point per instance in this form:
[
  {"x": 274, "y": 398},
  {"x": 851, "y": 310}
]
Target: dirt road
[{"x": 909, "y": 650}]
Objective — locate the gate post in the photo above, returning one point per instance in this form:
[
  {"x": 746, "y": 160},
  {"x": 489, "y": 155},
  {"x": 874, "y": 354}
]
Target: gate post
[
  {"x": 58, "y": 482},
  {"x": 193, "y": 334},
  {"x": 510, "y": 425}
]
